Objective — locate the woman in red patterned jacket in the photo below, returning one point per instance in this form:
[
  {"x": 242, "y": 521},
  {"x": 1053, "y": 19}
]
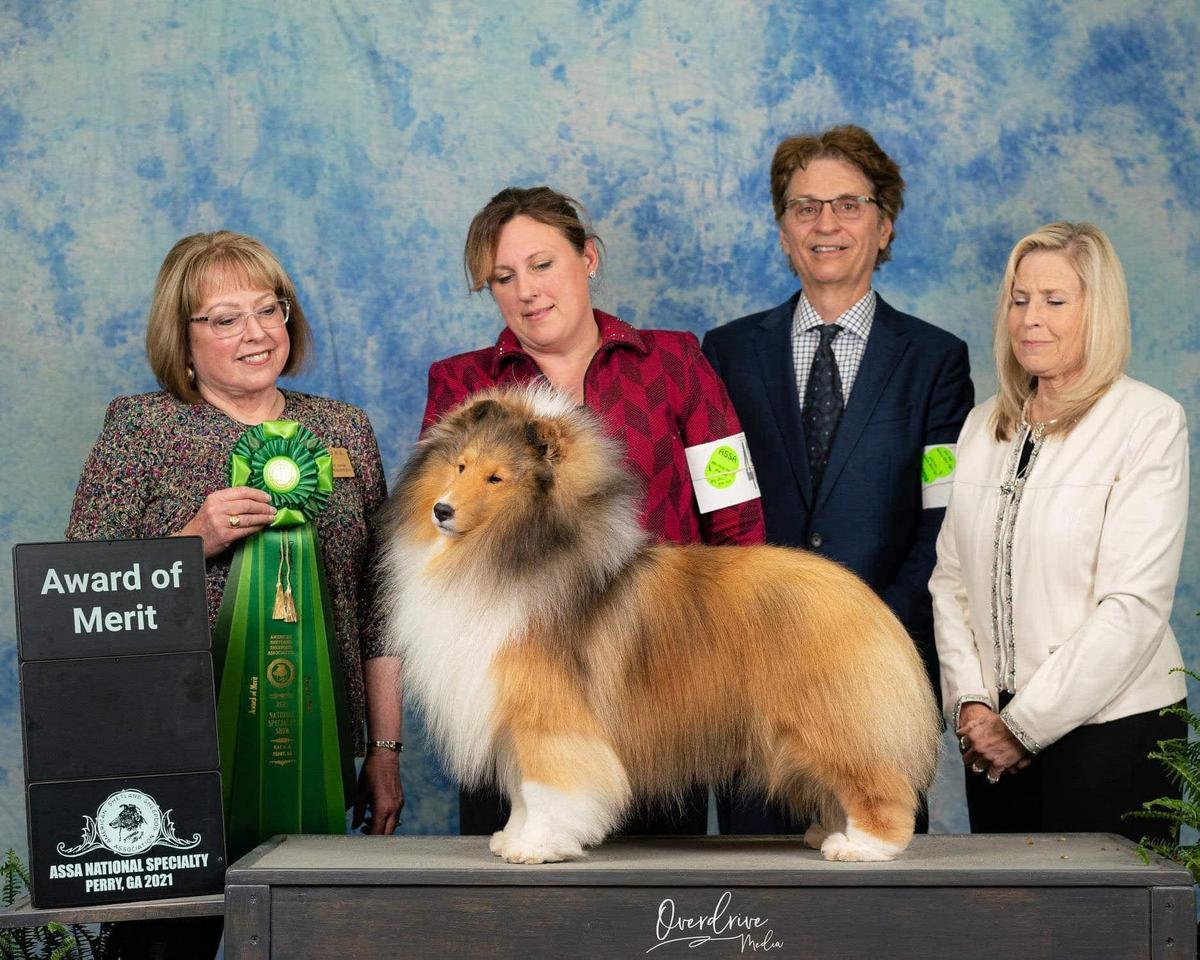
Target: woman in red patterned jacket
[{"x": 652, "y": 388}]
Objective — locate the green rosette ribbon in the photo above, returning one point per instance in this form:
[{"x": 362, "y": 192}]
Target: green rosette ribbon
[{"x": 286, "y": 760}]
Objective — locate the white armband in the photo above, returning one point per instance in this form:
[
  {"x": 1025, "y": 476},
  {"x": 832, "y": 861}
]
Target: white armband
[
  {"x": 937, "y": 474},
  {"x": 722, "y": 474}
]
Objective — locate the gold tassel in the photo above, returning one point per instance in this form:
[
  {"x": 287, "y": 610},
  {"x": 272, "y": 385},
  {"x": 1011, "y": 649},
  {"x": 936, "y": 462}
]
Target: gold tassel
[
  {"x": 289, "y": 606},
  {"x": 279, "y": 611},
  {"x": 285, "y": 604}
]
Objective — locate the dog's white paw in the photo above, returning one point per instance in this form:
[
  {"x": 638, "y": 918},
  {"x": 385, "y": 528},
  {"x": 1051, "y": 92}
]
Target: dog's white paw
[
  {"x": 815, "y": 835},
  {"x": 521, "y": 851},
  {"x": 838, "y": 846},
  {"x": 516, "y": 850},
  {"x": 496, "y": 844}
]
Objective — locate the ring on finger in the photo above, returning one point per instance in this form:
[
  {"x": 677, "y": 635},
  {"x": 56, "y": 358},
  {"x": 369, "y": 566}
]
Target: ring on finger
[
  {"x": 962, "y": 744},
  {"x": 978, "y": 766},
  {"x": 993, "y": 780},
  {"x": 235, "y": 520}
]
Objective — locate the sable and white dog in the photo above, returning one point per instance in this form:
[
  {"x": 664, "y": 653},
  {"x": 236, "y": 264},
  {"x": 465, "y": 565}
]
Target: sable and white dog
[{"x": 556, "y": 651}]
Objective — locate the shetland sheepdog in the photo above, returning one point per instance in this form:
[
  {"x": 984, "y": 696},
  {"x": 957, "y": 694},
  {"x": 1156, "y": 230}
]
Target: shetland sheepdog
[{"x": 557, "y": 652}]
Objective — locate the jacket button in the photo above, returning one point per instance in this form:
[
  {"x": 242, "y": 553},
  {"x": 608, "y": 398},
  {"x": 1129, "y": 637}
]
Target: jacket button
[{"x": 815, "y": 540}]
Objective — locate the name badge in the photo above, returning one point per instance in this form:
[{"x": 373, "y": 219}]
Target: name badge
[
  {"x": 722, "y": 473},
  {"x": 937, "y": 474},
  {"x": 342, "y": 467}
]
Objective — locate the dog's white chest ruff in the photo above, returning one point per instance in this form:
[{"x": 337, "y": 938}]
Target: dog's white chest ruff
[{"x": 448, "y": 638}]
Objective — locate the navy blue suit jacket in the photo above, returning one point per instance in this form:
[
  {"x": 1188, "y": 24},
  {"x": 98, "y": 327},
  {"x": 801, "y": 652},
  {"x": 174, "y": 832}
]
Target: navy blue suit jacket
[{"x": 912, "y": 390}]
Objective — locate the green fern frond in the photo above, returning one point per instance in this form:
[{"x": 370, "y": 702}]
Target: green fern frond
[
  {"x": 54, "y": 941},
  {"x": 1183, "y": 712},
  {"x": 59, "y": 941},
  {"x": 1182, "y": 761},
  {"x": 89, "y": 944},
  {"x": 1181, "y": 808},
  {"x": 1148, "y": 846},
  {"x": 14, "y": 877},
  {"x": 1181, "y": 769},
  {"x": 65, "y": 950}
]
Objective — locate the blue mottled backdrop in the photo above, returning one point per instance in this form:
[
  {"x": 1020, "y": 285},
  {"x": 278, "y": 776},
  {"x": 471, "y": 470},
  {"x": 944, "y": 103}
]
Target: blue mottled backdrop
[{"x": 358, "y": 137}]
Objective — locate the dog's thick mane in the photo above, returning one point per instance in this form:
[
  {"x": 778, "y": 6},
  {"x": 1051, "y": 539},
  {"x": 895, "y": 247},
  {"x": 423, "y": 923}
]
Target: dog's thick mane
[
  {"x": 452, "y": 604},
  {"x": 563, "y": 545}
]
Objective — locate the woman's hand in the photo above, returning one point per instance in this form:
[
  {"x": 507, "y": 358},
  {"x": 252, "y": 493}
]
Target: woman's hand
[
  {"x": 987, "y": 744},
  {"x": 380, "y": 795},
  {"x": 227, "y": 516}
]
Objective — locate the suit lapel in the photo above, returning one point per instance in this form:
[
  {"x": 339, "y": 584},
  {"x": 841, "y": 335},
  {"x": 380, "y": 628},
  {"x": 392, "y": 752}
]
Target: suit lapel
[
  {"x": 885, "y": 345},
  {"x": 779, "y": 380}
]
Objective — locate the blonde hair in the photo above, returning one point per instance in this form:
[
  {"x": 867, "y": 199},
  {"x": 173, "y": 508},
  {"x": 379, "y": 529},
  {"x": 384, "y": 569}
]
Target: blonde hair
[
  {"x": 178, "y": 292},
  {"x": 1106, "y": 336}
]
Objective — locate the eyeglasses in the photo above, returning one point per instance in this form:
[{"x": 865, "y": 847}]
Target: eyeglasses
[
  {"x": 226, "y": 325},
  {"x": 845, "y": 207}
]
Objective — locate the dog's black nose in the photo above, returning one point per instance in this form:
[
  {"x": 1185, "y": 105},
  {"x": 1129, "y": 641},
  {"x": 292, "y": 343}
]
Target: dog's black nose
[{"x": 443, "y": 511}]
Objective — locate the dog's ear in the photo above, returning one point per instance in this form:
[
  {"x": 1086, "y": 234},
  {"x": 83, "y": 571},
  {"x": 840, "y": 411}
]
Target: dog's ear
[
  {"x": 546, "y": 438},
  {"x": 483, "y": 410}
]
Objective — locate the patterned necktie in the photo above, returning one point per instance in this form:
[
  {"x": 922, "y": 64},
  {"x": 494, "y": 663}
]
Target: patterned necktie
[{"x": 822, "y": 404}]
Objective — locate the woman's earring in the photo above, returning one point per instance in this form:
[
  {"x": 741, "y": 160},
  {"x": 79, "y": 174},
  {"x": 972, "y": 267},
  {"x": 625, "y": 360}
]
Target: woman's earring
[
  {"x": 191, "y": 374},
  {"x": 592, "y": 275}
]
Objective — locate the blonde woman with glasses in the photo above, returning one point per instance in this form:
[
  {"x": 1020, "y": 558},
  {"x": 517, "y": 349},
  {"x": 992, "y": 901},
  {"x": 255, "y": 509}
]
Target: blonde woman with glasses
[{"x": 225, "y": 323}]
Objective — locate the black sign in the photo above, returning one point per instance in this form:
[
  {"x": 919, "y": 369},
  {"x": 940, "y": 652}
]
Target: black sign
[
  {"x": 118, "y": 712},
  {"x": 135, "y": 838},
  {"x": 106, "y": 598},
  {"x": 118, "y": 716}
]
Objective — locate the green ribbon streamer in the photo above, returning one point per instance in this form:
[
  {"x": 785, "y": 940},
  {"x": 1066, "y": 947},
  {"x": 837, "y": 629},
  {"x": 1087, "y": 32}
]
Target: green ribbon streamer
[{"x": 286, "y": 763}]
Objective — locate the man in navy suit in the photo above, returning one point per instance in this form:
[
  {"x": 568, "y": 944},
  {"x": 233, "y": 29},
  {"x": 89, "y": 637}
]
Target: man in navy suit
[{"x": 851, "y": 409}]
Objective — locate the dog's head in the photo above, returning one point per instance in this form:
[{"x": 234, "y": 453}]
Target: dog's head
[
  {"x": 523, "y": 462},
  {"x": 493, "y": 460}
]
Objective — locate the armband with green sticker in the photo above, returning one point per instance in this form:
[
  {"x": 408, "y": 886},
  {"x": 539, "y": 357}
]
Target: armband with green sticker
[
  {"x": 937, "y": 474},
  {"x": 722, "y": 474}
]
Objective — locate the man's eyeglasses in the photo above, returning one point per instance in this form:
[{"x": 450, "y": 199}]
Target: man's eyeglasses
[
  {"x": 845, "y": 207},
  {"x": 225, "y": 325}
]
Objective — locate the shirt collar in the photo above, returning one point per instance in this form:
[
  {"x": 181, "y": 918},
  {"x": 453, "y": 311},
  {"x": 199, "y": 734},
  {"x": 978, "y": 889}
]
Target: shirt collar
[
  {"x": 614, "y": 333},
  {"x": 856, "y": 319}
]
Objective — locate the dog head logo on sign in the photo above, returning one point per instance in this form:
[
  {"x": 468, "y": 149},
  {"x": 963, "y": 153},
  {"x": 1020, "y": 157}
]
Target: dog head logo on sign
[
  {"x": 131, "y": 825},
  {"x": 129, "y": 822}
]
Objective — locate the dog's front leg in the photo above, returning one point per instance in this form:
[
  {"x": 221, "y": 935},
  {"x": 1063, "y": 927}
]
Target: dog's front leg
[
  {"x": 571, "y": 792},
  {"x": 516, "y": 820}
]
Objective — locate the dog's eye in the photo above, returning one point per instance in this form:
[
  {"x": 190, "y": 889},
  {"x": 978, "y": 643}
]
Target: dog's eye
[
  {"x": 462, "y": 467},
  {"x": 495, "y": 479}
]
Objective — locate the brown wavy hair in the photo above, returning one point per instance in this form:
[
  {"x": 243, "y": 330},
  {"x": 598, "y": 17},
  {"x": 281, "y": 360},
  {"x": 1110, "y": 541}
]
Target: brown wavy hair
[{"x": 856, "y": 147}]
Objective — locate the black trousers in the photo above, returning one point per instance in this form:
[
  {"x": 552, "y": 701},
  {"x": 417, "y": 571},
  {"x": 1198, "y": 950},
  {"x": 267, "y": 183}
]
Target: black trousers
[
  {"x": 486, "y": 811},
  {"x": 742, "y": 813},
  {"x": 1086, "y": 782},
  {"x": 186, "y": 938}
]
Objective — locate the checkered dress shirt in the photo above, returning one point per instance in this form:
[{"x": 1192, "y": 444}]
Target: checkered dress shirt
[{"x": 848, "y": 347}]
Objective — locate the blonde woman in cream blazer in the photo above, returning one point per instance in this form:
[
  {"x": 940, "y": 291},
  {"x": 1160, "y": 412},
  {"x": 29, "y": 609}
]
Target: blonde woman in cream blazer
[{"x": 1059, "y": 554}]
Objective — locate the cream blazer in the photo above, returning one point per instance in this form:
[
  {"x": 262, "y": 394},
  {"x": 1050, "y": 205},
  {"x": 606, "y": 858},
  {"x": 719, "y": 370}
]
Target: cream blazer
[{"x": 1094, "y": 560}]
